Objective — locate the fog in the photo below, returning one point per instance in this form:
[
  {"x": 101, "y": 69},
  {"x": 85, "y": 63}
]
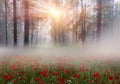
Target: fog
[{"x": 106, "y": 48}]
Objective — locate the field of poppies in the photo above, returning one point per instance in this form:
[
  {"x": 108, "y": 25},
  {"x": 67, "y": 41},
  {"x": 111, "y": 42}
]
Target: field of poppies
[{"x": 37, "y": 70}]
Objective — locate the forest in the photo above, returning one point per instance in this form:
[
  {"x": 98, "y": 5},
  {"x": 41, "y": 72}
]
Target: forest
[
  {"x": 59, "y": 41},
  {"x": 62, "y": 22}
]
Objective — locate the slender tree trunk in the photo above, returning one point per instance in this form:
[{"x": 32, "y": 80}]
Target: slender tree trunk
[
  {"x": 6, "y": 39},
  {"x": 1, "y": 24},
  {"x": 15, "y": 22},
  {"x": 83, "y": 32},
  {"x": 37, "y": 32},
  {"x": 99, "y": 18},
  {"x": 32, "y": 35},
  {"x": 26, "y": 26}
]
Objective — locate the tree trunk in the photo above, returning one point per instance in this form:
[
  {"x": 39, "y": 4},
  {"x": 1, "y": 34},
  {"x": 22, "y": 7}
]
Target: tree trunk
[
  {"x": 26, "y": 26},
  {"x": 15, "y": 22},
  {"x": 6, "y": 40},
  {"x": 99, "y": 17},
  {"x": 83, "y": 32}
]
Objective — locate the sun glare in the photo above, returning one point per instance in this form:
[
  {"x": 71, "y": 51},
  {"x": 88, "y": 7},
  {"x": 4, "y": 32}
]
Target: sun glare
[{"x": 55, "y": 13}]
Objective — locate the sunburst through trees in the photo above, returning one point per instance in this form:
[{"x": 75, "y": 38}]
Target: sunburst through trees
[{"x": 73, "y": 21}]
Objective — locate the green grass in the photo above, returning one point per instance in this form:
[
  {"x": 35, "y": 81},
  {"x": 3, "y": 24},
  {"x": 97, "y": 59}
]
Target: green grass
[{"x": 37, "y": 72}]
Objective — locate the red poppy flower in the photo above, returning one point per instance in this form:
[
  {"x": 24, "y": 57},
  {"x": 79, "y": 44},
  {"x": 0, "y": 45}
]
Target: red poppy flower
[
  {"x": 82, "y": 68},
  {"x": 44, "y": 73},
  {"x": 67, "y": 71},
  {"x": 36, "y": 68},
  {"x": 13, "y": 67},
  {"x": 37, "y": 79},
  {"x": 97, "y": 74},
  {"x": 76, "y": 75},
  {"x": 117, "y": 77},
  {"x": 42, "y": 82},
  {"x": 8, "y": 77},
  {"x": 62, "y": 81},
  {"x": 110, "y": 77},
  {"x": 15, "y": 81},
  {"x": 55, "y": 73}
]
